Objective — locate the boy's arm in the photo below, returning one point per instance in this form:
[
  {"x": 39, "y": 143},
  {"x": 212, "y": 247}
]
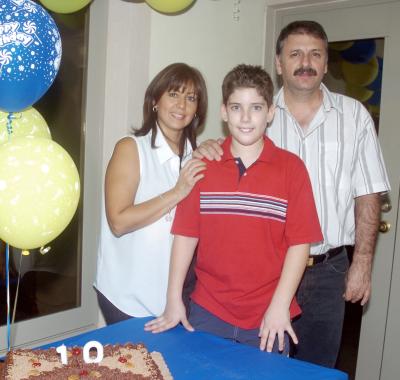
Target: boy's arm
[
  {"x": 183, "y": 249},
  {"x": 277, "y": 317}
]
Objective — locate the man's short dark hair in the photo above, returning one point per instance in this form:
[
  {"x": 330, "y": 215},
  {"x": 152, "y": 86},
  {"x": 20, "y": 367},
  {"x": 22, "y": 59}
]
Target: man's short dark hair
[
  {"x": 311, "y": 28},
  {"x": 248, "y": 76}
]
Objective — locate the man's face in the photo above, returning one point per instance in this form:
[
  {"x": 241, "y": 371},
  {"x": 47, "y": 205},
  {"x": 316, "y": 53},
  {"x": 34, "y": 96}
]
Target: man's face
[{"x": 302, "y": 62}]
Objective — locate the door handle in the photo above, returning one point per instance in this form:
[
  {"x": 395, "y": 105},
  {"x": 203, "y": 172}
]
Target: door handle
[
  {"x": 386, "y": 206},
  {"x": 384, "y": 226}
]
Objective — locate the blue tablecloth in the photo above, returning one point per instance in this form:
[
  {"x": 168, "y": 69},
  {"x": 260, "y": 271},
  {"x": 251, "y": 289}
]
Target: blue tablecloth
[{"x": 201, "y": 356}]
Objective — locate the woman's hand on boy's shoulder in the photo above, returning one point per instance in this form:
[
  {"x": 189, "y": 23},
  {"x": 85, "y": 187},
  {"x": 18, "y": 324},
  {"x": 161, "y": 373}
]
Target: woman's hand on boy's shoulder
[
  {"x": 210, "y": 149},
  {"x": 191, "y": 173}
]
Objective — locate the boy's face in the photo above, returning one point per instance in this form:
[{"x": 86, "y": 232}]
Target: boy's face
[{"x": 247, "y": 115}]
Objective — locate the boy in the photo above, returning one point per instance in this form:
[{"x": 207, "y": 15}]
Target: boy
[{"x": 253, "y": 218}]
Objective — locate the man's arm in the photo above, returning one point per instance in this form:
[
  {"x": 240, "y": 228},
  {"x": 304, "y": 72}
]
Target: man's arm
[
  {"x": 182, "y": 253},
  {"x": 277, "y": 317},
  {"x": 367, "y": 216}
]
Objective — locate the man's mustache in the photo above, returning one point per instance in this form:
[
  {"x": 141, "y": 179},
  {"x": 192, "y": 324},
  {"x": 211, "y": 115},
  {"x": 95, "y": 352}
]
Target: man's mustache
[{"x": 305, "y": 70}]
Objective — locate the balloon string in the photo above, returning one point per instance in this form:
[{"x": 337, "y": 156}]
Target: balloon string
[
  {"x": 8, "y": 296},
  {"x": 10, "y": 118},
  {"x": 17, "y": 291}
]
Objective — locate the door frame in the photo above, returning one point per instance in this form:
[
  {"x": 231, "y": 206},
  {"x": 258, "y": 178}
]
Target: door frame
[
  {"x": 45, "y": 329},
  {"x": 371, "y": 352}
]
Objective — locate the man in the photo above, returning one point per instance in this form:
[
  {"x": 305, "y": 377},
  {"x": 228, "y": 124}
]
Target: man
[{"x": 336, "y": 138}]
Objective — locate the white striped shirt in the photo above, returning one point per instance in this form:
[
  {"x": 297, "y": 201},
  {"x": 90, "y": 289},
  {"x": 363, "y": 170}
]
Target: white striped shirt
[{"x": 341, "y": 151}]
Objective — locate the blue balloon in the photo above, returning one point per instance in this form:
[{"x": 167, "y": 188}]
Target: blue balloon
[
  {"x": 361, "y": 51},
  {"x": 375, "y": 99},
  {"x": 30, "y": 53}
]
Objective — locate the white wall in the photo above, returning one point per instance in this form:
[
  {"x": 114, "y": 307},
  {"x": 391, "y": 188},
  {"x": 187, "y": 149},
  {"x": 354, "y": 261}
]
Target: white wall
[
  {"x": 127, "y": 65},
  {"x": 140, "y": 42},
  {"x": 208, "y": 37}
]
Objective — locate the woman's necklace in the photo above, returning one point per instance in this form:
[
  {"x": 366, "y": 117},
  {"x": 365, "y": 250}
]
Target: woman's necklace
[{"x": 172, "y": 144}]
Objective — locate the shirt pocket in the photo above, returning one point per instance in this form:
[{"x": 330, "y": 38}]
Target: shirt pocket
[{"x": 336, "y": 168}]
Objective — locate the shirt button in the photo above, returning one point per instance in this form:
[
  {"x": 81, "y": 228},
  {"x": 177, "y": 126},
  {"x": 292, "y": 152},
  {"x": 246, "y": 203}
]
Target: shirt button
[{"x": 245, "y": 174}]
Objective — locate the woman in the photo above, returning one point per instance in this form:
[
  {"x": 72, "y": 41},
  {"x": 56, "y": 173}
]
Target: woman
[{"x": 148, "y": 175}]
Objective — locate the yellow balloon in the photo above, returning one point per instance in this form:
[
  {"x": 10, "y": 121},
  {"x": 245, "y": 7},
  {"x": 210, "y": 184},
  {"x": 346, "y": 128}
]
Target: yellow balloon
[
  {"x": 65, "y": 6},
  {"x": 360, "y": 74},
  {"x": 39, "y": 191},
  {"x": 169, "y": 6},
  {"x": 25, "y": 123},
  {"x": 357, "y": 92},
  {"x": 374, "y": 109},
  {"x": 341, "y": 45}
]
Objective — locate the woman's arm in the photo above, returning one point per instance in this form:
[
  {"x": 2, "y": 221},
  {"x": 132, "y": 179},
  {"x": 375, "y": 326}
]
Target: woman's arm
[
  {"x": 183, "y": 249},
  {"x": 122, "y": 181}
]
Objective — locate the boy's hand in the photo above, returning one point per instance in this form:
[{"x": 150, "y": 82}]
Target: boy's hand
[
  {"x": 275, "y": 322},
  {"x": 210, "y": 149},
  {"x": 173, "y": 314}
]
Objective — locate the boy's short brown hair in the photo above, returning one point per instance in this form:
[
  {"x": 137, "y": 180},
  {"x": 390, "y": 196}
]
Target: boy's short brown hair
[{"x": 248, "y": 76}]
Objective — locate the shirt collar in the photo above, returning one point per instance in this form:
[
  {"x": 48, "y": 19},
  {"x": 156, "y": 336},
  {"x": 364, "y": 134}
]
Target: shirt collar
[
  {"x": 164, "y": 151},
  {"x": 328, "y": 100},
  {"x": 267, "y": 154}
]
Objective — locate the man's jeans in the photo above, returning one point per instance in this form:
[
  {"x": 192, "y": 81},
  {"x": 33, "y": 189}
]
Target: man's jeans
[{"x": 320, "y": 296}]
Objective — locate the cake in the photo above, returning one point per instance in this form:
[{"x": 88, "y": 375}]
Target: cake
[{"x": 120, "y": 362}]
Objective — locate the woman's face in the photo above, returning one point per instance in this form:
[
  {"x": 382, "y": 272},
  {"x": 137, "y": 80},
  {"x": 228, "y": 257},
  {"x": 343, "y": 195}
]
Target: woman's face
[{"x": 176, "y": 109}]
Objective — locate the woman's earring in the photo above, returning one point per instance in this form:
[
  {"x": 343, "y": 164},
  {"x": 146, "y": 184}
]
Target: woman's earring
[
  {"x": 155, "y": 108},
  {"x": 195, "y": 115}
]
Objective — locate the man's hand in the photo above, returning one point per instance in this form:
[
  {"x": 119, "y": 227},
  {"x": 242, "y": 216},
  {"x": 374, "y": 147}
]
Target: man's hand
[
  {"x": 210, "y": 149},
  {"x": 358, "y": 281}
]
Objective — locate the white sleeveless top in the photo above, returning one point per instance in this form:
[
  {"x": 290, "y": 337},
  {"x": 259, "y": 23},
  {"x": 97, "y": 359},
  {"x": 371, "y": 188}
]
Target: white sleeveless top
[{"x": 132, "y": 270}]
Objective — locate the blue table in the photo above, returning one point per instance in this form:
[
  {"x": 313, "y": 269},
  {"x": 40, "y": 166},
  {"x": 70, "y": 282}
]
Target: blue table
[{"x": 201, "y": 356}]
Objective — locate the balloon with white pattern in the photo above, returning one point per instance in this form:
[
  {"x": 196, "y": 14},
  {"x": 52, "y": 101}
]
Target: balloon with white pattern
[{"x": 30, "y": 53}]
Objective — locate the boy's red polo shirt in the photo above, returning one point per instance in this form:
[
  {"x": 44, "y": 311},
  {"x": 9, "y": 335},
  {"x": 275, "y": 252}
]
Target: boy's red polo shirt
[{"x": 245, "y": 227}]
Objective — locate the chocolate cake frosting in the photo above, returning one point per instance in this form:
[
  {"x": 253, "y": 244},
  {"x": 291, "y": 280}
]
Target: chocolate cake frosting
[{"x": 120, "y": 362}]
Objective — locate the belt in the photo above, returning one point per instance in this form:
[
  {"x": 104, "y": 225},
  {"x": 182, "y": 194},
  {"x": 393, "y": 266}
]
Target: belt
[{"x": 316, "y": 259}]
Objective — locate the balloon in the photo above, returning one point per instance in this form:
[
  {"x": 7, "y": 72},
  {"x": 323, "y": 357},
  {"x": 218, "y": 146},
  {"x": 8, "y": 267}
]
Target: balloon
[
  {"x": 360, "y": 93},
  {"x": 360, "y": 74},
  {"x": 361, "y": 51},
  {"x": 341, "y": 45},
  {"x": 374, "y": 110},
  {"x": 25, "y": 123},
  {"x": 375, "y": 99},
  {"x": 30, "y": 53},
  {"x": 65, "y": 6},
  {"x": 376, "y": 84},
  {"x": 39, "y": 191},
  {"x": 169, "y": 6}
]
